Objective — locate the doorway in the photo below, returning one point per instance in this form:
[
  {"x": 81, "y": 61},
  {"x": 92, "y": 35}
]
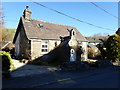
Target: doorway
[{"x": 72, "y": 55}]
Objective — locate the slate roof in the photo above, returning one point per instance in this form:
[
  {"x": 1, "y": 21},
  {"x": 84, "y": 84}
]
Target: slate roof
[
  {"x": 38, "y": 29},
  {"x": 94, "y": 41}
]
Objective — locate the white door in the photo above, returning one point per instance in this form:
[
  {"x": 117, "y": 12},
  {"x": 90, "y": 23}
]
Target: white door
[{"x": 72, "y": 55}]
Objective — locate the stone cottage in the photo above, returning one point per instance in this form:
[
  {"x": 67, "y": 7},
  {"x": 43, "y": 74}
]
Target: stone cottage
[{"x": 35, "y": 38}]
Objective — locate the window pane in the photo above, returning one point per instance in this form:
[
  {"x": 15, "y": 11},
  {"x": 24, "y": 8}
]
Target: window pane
[
  {"x": 42, "y": 46},
  {"x": 44, "y": 50},
  {"x": 45, "y": 46}
]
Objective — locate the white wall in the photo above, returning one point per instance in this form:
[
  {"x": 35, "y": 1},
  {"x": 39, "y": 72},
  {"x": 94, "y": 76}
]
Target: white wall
[{"x": 85, "y": 49}]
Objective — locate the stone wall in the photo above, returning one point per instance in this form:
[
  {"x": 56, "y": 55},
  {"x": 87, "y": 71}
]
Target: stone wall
[
  {"x": 53, "y": 44},
  {"x": 22, "y": 45},
  {"x": 17, "y": 47},
  {"x": 36, "y": 47}
]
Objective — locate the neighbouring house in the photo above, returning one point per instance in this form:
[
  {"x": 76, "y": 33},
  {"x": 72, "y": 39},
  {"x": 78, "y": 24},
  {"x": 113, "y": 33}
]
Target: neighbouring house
[
  {"x": 92, "y": 43},
  {"x": 95, "y": 41},
  {"x": 35, "y": 38},
  {"x": 94, "y": 49}
]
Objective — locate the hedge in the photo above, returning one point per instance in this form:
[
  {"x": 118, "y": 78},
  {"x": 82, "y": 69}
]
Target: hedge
[{"x": 7, "y": 63}]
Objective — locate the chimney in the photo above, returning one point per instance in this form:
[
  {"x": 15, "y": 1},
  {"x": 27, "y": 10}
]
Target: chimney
[{"x": 27, "y": 13}]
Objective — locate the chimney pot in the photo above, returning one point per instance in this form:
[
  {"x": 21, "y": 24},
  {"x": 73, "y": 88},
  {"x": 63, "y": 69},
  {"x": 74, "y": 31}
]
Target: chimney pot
[{"x": 27, "y": 6}]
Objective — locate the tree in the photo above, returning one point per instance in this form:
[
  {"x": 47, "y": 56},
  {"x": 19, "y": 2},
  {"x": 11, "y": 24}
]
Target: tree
[
  {"x": 1, "y": 24},
  {"x": 113, "y": 46},
  {"x": 1, "y": 16},
  {"x": 102, "y": 51}
]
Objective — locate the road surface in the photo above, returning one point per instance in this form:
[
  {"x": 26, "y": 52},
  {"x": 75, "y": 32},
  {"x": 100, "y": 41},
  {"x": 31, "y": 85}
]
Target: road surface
[{"x": 95, "y": 78}]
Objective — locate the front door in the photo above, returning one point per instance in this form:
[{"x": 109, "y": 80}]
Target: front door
[{"x": 72, "y": 55}]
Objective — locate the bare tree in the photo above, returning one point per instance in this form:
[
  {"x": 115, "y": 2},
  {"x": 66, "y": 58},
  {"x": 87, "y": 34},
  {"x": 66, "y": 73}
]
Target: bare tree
[
  {"x": 1, "y": 24},
  {"x": 97, "y": 35}
]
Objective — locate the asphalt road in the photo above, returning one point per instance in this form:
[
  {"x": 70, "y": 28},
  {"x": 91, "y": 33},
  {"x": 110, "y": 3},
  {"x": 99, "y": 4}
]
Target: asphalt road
[{"x": 97, "y": 78}]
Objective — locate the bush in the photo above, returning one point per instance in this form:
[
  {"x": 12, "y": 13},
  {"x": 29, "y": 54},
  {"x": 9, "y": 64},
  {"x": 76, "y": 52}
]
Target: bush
[
  {"x": 94, "y": 54},
  {"x": 90, "y": 53},
  {"x": 118, "y": 62},
  {"x": 7, "y": 63},
  {"x": 113, "y": 47},
  {"x": 102, "y": 55}
]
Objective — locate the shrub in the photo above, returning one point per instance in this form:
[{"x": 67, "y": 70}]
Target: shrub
[
  {"x": 102, "y": 55},
  {"x": 7, "y": 63},
  {"x": 113, "y": 47},
  {"x": 118, "y": 62},
  {"x": 94, "y": 54},
  {"x": 90, "y": 53}
]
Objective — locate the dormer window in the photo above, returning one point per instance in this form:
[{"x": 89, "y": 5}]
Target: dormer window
[{"x": 41, "y": 25}]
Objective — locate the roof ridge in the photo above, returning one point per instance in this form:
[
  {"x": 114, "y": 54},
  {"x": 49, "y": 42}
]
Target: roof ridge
[{"x": 52, "y": 23}]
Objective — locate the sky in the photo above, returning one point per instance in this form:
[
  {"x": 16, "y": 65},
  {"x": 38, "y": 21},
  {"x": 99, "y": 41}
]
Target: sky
[{"x": 84, "y": 11}]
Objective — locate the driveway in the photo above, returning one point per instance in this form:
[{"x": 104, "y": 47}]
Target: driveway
[{"x": 22, "y": 69}]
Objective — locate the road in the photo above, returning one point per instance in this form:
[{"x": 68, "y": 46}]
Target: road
[{"x": 95, "y": 78}]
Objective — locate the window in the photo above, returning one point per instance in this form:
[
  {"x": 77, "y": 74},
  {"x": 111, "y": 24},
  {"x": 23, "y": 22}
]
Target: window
[
  {"x": 41, "y": 25},
  {"x": 44, "y": 47}
]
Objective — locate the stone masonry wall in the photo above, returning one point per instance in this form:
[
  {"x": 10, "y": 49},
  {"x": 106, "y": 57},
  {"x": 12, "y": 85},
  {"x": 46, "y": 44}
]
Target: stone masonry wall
[{"x": 36, "y": 47}]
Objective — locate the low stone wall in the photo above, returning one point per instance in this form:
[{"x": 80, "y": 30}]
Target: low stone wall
[
  {"x": 98, "y": 63},
  {"x": 74, "y": 66}
]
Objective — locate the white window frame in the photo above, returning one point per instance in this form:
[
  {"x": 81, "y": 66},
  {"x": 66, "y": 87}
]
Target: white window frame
[{"x": 44, "y": 48}]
